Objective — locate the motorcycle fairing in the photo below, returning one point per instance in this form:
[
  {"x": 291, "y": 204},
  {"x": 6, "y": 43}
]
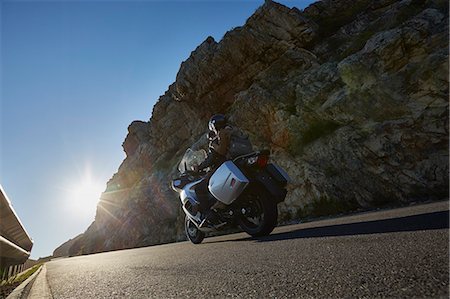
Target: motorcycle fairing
[
  {"x": 190, "y": 159},
  {"x": 179, "y": 183},
  {"x": 188, "y": 192}
]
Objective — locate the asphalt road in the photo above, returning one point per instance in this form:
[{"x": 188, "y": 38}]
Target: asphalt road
[{"x": 401, "y": 253}]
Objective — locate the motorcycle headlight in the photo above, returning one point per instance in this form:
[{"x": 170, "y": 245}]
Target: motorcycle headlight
[{"x": 176, "y": 184}]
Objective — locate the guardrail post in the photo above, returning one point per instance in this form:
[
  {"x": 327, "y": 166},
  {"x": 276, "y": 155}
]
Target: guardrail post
[
  {"x": 9, "y": 271},
  {"x": 3, "y": 274}
]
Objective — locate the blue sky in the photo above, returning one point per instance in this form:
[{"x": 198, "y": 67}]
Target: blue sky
[{"x": 74, "y": 75}]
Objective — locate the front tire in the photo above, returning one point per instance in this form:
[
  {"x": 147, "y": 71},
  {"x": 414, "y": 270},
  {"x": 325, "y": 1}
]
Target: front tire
[
  {"x": 259, "y": 215},
  {"x": 194, "y": 235}
]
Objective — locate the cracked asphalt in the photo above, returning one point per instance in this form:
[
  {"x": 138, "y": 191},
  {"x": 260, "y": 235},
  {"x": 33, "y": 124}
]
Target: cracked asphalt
[{"x": 399, "y": 253}]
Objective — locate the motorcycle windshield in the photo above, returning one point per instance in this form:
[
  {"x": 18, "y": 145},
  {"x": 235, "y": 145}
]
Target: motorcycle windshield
[{"x": 190, "y": 159}]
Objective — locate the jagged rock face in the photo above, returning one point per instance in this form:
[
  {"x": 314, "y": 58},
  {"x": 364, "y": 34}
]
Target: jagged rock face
[{"x": 351, "y": 97}]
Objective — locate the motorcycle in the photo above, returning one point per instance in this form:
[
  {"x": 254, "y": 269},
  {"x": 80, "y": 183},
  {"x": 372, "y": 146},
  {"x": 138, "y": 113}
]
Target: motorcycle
[{"x": 244, "y": 191}]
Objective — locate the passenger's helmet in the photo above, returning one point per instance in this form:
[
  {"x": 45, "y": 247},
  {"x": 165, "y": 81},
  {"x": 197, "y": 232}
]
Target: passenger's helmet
[{"x": 217, "y": 122}]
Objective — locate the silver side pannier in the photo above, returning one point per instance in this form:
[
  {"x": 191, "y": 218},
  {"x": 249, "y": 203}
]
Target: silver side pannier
[{"x": 227, "y": 183}]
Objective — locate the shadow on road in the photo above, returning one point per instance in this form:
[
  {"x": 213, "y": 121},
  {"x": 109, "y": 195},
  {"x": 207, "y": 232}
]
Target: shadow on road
[
  {"x": 435, "y": 220},
  {"x": 428, "y": 221}
]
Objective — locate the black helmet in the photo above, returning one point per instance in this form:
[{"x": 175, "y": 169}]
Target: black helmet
[{"x": 217, "y": 122}]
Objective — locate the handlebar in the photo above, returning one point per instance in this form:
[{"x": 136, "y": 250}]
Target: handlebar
[
  {"x": 194, "y": 173},
  {"x": 256, "y": 153}
]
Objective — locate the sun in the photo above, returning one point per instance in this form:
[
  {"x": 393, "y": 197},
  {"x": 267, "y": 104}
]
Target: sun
[{"x": 84, "y": 194}]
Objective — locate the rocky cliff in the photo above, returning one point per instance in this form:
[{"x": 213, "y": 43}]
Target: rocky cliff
[{"x": 351, "y": 97}]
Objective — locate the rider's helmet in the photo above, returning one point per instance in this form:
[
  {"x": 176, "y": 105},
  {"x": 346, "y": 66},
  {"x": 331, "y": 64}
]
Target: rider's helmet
[{"x": 217, "y": 122}]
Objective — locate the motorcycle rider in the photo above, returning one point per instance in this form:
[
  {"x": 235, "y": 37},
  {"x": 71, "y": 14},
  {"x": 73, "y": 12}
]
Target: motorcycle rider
[
  {"x": 219, "y": 134},
  {"x": 213, "y": 159}
]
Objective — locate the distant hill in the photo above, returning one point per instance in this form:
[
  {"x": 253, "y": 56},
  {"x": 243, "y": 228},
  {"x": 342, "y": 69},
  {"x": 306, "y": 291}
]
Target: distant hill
[
  {"x": 351, "y": 97},
  {"x": 64, "y": 249}
]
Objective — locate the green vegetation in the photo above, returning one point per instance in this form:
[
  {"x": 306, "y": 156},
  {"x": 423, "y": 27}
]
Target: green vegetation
[
  {"x": 325, "y": 206},
  {"x": 6, "y": 287},
  {"x": 291, "y": 108},
  {"x": 317, "y": 129},
  {"x": 386, "y": 113},
  {"x": 27, "y": 274},
  {"x": 377, "y": 104}
]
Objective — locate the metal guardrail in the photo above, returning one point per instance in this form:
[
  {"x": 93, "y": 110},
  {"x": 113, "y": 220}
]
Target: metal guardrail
[{"x": 15, "y": 243}]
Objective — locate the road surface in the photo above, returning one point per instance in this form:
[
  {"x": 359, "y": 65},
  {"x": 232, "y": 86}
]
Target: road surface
[{"x": 401, "y": 253}]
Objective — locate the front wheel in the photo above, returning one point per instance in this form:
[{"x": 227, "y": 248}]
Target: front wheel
[
  {"x": 258, "y": 215},
  {"x": 194, "y": 235}
]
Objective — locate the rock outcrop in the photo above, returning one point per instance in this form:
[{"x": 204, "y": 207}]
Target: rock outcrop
[
  {"x": 351, "y": 97},
  {"x": 65, "y": 248}
]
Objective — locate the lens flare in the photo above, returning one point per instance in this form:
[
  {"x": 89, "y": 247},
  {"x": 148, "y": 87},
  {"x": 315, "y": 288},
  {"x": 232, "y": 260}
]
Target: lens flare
[{"x": 84, "y": 194}]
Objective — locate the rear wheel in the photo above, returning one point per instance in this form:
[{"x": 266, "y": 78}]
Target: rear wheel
[
  {"x": 194, "y": 235},
  {"x": 258, "y": 215}
]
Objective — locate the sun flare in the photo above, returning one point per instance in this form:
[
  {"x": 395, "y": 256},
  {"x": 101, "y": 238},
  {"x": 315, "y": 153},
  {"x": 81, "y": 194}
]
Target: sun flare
[{"x": 85, "y": 194}]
